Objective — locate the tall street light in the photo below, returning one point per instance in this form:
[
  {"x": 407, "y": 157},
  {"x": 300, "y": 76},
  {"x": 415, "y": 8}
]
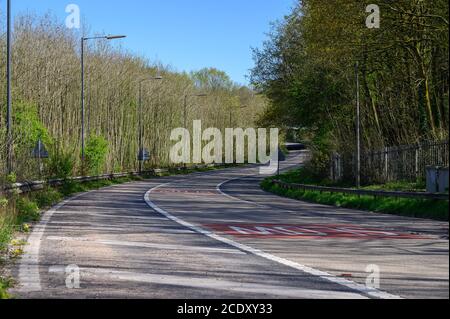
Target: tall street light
[
  {"x": 358, "y": 129},
  {"x": 83, "y": 40},
  {"x": 141, "y": 155},
  {"x": 9, "y": 148}
]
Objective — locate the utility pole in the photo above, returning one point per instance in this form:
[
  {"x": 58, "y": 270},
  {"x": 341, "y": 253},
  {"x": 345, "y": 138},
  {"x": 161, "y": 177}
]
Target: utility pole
[
  {"x": 9, "y": 139},
  {"x": 141, "y": 138},
  {"x": 358, "y": 130},
  {"x": 83, "y": 40},
  {"x": 82, "y": 107}
]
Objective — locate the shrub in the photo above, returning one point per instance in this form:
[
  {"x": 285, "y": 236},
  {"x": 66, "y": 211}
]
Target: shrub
[
  {"x": 3, "y": 202},
  {"x": 4, "y": 285},
  {"x": 71, "y": 187},
  {"x": 11, "y": 178},
  {"x": 95, "y": 154},
  {"x": 47, "y": 198},
  {"x": 61, "y": 165},
  {"x": 27, "y": 210}
]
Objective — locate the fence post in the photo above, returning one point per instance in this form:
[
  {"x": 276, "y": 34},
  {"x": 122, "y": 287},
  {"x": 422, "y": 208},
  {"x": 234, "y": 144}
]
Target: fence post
[
  {"x": 332, "y": 173},
  {"x": 386, "y": 163},
  {"x": 417, "y": 163}
]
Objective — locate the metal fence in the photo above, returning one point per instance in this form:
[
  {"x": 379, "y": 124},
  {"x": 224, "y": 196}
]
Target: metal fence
[
  {"x": 363, "y": 192},
  {"x": 28, "y": 187},
  {"x": 399, "y": 163}
]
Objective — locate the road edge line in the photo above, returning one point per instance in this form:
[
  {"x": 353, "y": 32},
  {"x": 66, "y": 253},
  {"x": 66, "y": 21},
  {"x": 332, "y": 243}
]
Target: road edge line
[
  {"x": 362, "y": 289},
  {"x": 29, "y": 279}
]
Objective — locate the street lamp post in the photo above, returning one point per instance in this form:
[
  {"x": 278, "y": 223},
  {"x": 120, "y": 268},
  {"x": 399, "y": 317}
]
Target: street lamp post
[
  {"x": 358, "y": 130},
  {"x": 9, "y": 148},
  {"x": 141, "y": 130},
  {"x": 83, "y": 40}
]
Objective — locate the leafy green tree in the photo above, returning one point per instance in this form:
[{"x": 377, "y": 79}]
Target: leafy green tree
[{"x": 306, "y": 68}]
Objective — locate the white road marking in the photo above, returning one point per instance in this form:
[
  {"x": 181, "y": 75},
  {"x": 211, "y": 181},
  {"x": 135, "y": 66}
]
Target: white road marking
[
  {"x": 147, "y": 245},
  {"x": 213, "y": 283},
  {"x": 362, "y": 289},
  {"x": 29, "y": 277},
  {"x": 219, "y": 190}
]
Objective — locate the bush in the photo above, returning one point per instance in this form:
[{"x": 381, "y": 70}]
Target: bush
[
  {"x": 11, "y": 178},
  {"x": 4, "y": 285},
  {"x": 60, "y": 165},
  {"x": 71, "y": 187},
  {"x": 27, "y": 210},
  {"x": 3, "y": 202},
  {"x": 47, "y": 198},
  {"x": 28, "y": 129},
  {"x": 95, "y": 154}
]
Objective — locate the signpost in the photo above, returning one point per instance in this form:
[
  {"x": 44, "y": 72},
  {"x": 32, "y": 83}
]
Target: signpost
[
  {"x": 281, "y": 158},
  {"x": 39, "y": 153},
  {"x": 144, "y": 155}
]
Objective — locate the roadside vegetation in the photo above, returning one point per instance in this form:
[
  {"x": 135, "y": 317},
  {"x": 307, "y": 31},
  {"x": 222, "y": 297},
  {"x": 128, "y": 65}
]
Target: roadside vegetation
[
  {"x": 438, "y": 210},
  {"x": 46, "y": 102},
  {"x": 306, "y": 68}
]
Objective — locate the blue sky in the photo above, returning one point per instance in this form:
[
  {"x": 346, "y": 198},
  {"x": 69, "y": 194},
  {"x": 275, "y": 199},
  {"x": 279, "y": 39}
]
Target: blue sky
[{"x": 187, "y": 34}]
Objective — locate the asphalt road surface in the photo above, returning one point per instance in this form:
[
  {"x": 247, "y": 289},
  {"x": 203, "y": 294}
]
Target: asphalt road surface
[{"x": 217, "y": 235}]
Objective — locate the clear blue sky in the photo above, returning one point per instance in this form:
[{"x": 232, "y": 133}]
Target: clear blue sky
[{"x": 187, "y": 34}]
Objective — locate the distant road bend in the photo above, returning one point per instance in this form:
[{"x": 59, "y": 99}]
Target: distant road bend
[{"x": 218, "y": 235}]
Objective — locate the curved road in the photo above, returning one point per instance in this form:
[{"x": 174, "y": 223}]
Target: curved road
[{"x": 217, "y": 235}]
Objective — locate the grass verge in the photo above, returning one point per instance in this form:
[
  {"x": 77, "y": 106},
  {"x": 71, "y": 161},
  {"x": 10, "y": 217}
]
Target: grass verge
[{"x": 431, "y": 209}]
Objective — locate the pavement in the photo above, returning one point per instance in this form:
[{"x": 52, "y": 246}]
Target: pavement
[{"x": 217, "y": 235}]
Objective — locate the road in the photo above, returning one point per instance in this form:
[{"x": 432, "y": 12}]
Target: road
[{"x": 218, "y": 235}]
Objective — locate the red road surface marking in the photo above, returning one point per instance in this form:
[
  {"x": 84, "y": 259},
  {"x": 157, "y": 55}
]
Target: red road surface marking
[
  {"x": 180, "y": 191},
  {"x": 310, "y": 231}
]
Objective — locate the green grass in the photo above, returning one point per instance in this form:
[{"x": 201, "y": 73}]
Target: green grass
[
  {"x": 419, "y": 186},
  {"x": 306, "y": 177},
  {"x": 431, "y": 209},
  {"x": 5, "y": 284}
]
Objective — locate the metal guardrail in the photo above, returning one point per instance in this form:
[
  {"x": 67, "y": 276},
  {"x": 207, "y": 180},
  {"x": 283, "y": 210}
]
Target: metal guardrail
[
  {"x": 363, "y": 192},
  {"x": 28, "y": 187}
]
